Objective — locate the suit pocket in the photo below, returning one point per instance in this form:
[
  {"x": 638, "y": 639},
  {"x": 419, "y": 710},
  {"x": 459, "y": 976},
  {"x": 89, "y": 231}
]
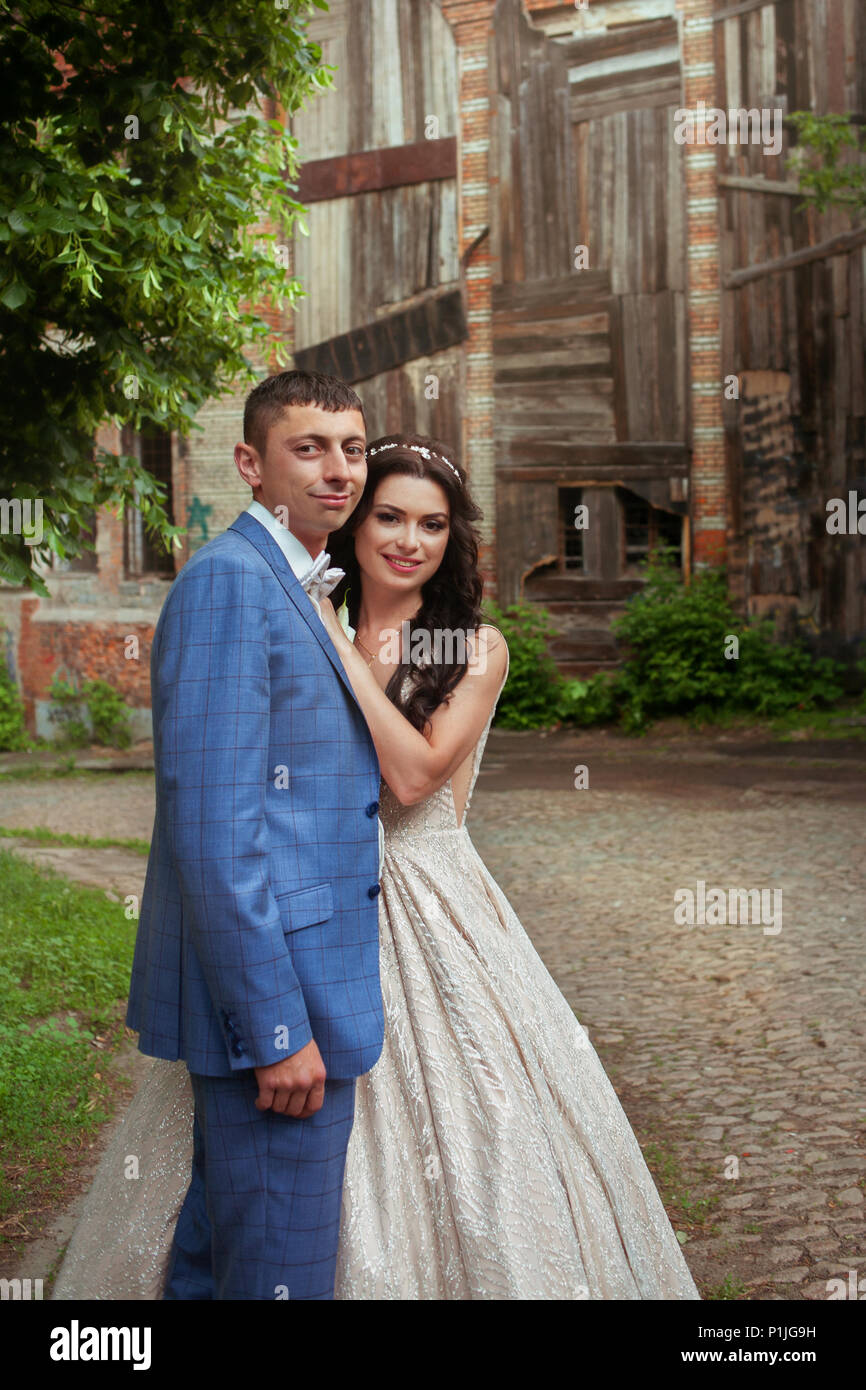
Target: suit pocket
[{"x": 305, "y": 907}]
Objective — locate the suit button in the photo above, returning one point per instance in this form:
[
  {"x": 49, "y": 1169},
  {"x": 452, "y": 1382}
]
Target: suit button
[
  {"x": 374, "y": 891},
  {"x": 372, "y": 809},
  {"x": 237, "y": 1050}
]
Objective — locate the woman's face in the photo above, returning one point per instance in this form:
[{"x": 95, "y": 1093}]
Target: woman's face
[{"x": 401, "y": 542}]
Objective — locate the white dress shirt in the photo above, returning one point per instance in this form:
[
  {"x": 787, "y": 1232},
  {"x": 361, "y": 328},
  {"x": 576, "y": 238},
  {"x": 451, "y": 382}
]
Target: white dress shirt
[
  {"x": 300, "y": 563},
  {"x": 297, "y": 555}
]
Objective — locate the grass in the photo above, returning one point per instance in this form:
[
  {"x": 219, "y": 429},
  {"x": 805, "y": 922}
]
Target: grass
[
  {"x": 42, "y": 835},
  {"x": 66, "y": 953},
  {"x": 823, "y": 723},
  {"x": 668, "y": 1175},
  {"x": 38, "y": 772},
  {"x": 730, "y": 1288}
]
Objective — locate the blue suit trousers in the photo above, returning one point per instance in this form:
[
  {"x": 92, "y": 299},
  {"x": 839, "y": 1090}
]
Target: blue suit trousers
[{"x": 261, "y": 1219}]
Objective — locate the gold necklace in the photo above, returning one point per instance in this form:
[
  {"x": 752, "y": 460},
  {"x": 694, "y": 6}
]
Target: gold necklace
[{"x": 371, "y": 655}]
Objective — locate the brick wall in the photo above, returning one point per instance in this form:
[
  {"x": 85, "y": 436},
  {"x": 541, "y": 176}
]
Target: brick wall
[
  {"x": 709, "y": 507},
  {"x": 470, "y": 21}
]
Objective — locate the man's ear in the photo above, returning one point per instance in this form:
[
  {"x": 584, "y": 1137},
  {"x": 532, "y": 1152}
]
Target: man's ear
[{"x": 248, "y": 464}]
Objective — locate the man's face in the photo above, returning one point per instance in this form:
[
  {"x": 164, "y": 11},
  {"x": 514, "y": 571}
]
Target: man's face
[{"x": 312, "y": 471}]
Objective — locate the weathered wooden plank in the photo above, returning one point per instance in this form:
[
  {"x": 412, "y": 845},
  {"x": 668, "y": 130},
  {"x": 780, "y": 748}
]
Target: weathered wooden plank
[
  {"x": 833, "y": 246},
  {"x": 540, "y": 295},
  {"x": 836, "y": 56},
  {"x": 587, "y": 474},
  {"x": 680, "y": 376},
  {"x": 552, "y": 373},
  {"x": 621, "y": 270},
  {"x": 785, "y": 21},
  {"x": 768, "y": 48},
  {"x": 665, "y": 423},
  {"x": 643, "y": 93},
  {"x": 635, "y": 428},
  {"x": 617, "y": 355},
  {"x": 743, "y": 7},
  {"x": 623, "y": 79},
  {"x": 625, "y": 40},
  {"x": 648, "y": 456},
  {"x": 760, "y": 184},
  {"x": 675, "y": 276},
  {"x": 580, "y": 330},
  {"x": 526, "y": 529},
  {"x": 437, "y": 323},
  {"x": 545, "y": 407},
  {"x": 602, "y": 541},
  {"x": 367, "y": 171},
  {"x": 818, "y": 19},
  {"x": 575, "y": 343},
  {"x": 647, "y": 306},
  {"x": 501, "y": 180}
]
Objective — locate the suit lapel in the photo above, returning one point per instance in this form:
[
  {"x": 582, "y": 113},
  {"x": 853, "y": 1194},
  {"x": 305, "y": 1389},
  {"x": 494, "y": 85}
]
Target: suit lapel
[{"x": 255, "y": 533}]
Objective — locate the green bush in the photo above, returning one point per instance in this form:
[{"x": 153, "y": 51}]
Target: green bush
[
  {"x": 530, "y": 699},
  {"x": 109, "y": 715},
  {"x": 66, "y": 708},
  {"x": 591, "y": 701},
  {"x": 674, "y": 637},
  {"x": 13, "y": 730}
]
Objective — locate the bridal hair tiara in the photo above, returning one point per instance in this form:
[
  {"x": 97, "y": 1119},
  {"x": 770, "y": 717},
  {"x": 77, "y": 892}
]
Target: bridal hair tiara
[{"x": 418, "y": 449}]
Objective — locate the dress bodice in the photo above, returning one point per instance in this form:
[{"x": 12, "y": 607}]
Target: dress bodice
[{"x": 437, "y": 813}]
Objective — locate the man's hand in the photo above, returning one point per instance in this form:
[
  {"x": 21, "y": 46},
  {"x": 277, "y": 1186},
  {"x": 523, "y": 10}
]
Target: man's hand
[{"x": 295, "y": 1086}]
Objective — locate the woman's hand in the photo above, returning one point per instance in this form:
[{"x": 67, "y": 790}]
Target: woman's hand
[{"x": 331, "y": 624}]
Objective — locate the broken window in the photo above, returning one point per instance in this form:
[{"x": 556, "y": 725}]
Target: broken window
[{"x": 644, "y": 527}]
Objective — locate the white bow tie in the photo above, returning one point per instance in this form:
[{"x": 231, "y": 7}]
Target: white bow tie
[{"x": 319, "y": 580}]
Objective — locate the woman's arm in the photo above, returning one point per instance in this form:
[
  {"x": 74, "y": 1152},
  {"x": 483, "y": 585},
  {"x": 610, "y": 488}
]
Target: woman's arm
[{"x": 415, "y": 765}]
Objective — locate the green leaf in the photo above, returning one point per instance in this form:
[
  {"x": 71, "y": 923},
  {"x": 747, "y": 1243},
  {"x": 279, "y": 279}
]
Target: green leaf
[{"x": 14, "y": 295}]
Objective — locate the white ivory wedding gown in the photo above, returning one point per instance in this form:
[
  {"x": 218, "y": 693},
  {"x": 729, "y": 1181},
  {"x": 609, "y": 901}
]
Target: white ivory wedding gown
[{"x": 490, "y": 1157}]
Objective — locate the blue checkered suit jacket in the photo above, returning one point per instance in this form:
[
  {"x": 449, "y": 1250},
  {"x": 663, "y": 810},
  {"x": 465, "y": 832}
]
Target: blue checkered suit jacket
[{"x": 259, "y": 920}]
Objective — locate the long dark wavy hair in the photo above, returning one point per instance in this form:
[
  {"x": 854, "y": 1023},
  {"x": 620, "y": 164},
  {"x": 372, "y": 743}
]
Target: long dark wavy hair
[{"x": 451, "y": 598}]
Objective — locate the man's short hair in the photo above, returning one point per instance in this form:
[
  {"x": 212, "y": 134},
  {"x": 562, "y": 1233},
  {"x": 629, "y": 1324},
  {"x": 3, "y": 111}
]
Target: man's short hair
[{"x": 267, "y": 401}]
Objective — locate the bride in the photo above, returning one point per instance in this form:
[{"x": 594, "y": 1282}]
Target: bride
[{"x": 490, "y": 1157}]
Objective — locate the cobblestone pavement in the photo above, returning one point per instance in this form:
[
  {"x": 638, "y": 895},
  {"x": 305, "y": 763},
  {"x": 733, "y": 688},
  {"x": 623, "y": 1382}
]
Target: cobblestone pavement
[
  {"x": 738, "y": 1052},
  {"x": 734, "y": 1051}
]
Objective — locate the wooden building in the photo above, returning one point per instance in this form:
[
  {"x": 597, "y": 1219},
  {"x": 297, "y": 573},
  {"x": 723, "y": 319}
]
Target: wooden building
[
  {"x": 506, "y": 236},
  {"x": 625, "y": 323}
]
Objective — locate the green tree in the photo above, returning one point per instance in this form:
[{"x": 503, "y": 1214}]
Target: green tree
[
  {"x": 827, "y": 175},
  {"x": 140, "y": 155}
]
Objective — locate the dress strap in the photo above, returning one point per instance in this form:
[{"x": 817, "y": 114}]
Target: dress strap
[{"x": 479, "y": 747}]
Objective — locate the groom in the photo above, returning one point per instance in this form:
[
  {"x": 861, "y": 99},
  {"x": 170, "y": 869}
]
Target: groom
[{"x": 257, "y": 958}]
